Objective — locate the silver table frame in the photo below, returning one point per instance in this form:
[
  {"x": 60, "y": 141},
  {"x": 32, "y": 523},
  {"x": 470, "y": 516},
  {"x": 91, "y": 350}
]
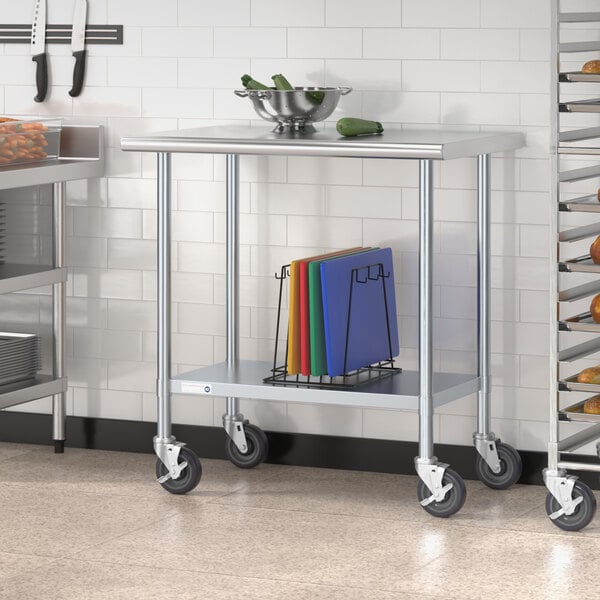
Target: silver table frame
[
  {"x": 426, "y": 147},
  {"x": 81, "y": 156}
]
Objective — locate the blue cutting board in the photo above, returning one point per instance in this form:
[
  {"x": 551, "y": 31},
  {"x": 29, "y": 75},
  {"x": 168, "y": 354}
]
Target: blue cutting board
[{"x": 367, "y": 331}]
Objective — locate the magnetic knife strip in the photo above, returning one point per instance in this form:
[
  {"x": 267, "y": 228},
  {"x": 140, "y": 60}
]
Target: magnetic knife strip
[{"x": 61, "y": 34}]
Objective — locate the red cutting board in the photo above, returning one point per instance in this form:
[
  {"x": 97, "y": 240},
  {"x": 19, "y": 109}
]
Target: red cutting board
[{"x": 304, "y": 306}]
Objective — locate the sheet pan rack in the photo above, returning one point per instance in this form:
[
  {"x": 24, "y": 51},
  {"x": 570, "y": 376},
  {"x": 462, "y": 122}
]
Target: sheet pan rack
[{"x": 570, "y": 503}]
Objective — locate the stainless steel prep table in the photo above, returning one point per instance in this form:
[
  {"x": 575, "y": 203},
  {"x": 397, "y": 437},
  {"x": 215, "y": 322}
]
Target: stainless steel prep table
[
  {"x": 81, "y": 156},
  {"x": 441, "y": 491}
]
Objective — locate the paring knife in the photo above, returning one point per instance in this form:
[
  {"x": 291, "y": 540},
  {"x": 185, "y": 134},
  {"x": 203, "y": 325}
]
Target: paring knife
[
  {"x": 38, "y": 49},
  {"x": 78, "y": 46}
]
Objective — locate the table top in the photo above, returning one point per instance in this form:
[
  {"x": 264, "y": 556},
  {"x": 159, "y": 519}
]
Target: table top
[
  {"x": 435, "y": 144},
  {"x": 81, "y": 157}
]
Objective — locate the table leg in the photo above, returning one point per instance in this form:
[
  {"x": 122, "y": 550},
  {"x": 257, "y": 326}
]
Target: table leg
[
  {"x": 233, "y": 420},
  {"x": 59, "y": 401},
  {"x": 497, "y": 465}
]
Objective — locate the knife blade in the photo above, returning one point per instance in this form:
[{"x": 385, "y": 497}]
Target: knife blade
[
  {"x": 78, "y": 46},
  {"x": 38, "y": 49}
]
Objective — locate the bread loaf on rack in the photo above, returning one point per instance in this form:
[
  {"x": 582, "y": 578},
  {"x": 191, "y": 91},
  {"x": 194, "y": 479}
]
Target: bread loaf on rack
[
  {"x": 590, "y": 375},
  {"x": 592, "y": 406},
  {"x": 591, "y": 66},
  {"x": 595, "y": 308}
]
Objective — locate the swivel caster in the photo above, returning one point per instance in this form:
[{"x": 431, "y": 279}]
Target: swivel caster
[
  {"x": 511, "y": 468},
  {"x": 582, "y": 515},
  {"x": 258, "y": 448},
  {"x": 453, "y": 500},
  {"x": 189, "y": 477}
]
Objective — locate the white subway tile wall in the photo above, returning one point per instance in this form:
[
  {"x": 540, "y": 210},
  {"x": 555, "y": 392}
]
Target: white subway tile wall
[{"x": 466, "y": 63}]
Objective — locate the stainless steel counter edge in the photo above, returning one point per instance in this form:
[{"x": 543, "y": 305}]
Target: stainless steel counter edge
[
  {"x": 360, "y": 147},
  {"x": 81, "y": 157}
]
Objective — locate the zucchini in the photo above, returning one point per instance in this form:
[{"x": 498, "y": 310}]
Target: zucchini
[
  {"x": 281, "y": 83},
  {"x": 315, "y": 96},
  {"x": 252, "y": 84},
  {"x": 348, "y": 126}
]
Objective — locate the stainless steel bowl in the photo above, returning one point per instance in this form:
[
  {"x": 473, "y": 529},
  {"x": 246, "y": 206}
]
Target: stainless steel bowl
[{"x": 297, "y": 109}]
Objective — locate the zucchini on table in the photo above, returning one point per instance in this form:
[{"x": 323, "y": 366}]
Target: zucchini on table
[{"x": 349, "y": 126}]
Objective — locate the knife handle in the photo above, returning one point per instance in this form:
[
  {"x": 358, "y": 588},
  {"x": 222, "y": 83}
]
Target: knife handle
[
  {"x": 41, "y": 76},
  {"x": 78, "y": 73}
]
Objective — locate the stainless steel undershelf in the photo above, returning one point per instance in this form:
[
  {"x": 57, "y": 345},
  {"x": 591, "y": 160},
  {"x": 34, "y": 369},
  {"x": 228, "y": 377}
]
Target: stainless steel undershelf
[
  {"x": 31, "y": 389},
  {"x": 81, "y": 157},
  {"x": 15, "y": 278},
  {"x": 400, "y": 391}
]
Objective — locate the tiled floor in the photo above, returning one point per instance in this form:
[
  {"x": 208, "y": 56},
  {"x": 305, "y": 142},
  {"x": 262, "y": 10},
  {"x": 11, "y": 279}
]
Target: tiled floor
[{"x": 94, "y": 525}]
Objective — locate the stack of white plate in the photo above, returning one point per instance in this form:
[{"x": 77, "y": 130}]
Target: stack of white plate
[{"x": 19, "y": 356}]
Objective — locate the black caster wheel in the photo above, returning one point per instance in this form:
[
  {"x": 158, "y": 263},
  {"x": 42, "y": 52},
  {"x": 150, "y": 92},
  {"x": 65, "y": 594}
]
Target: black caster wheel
[
  {"x": 511, "y": 468},
  {"x": 189, "y": 477},
  {"x": 454, "y": 500},
  {"x": 584, "y": 512},
  {"x": 258, "y": 448}
]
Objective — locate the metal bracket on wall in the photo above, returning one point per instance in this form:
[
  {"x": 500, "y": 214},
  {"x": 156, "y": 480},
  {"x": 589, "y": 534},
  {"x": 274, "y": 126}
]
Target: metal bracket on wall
[{"x": 61, "y": 34}]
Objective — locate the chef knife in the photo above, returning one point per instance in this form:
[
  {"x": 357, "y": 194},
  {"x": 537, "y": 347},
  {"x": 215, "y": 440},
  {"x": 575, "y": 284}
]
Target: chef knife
[
  {"x": 78, "y": 46},
  {"x": 38, "y": 49}
]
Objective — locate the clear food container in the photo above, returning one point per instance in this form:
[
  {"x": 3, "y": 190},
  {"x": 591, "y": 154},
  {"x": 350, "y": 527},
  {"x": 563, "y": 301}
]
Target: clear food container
[{"x": 25, "y": 141}]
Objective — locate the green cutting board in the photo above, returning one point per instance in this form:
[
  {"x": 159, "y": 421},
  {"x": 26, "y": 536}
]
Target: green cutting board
[{"x": 318, "y": 350}]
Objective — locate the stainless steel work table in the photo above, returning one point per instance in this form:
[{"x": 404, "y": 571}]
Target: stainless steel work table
[
  {"x": 441, "y": 491},
  {"x": 81, "y": 156}
]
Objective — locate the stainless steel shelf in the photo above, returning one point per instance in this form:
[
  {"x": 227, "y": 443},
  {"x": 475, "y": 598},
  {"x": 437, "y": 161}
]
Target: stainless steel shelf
[
  {"x": 576, "y": 234},
  {"x": 579, "y": 77},
  {"x": 577, "y": 135},
  {"x": 15, "y": 278},
  {"x": 581, "y": 264},
  {"x": 579, "y": 174},
  {"x": 581, "y": 106},
  {"x": 580, "y": 322},
  {"x": 579, "y": 351},
  {"x": 579, "y": 17},
  {"x": 575, "y": 413},
  {"x": 584, "y": 150},
  {"x": 399, "y": 391},
  {"x": 580, "y": 291},
  {"x": 581, "y": 438},
  {"x": 81, "y": 157},
  {"x": 570, "y": 384},
  {"x": 582, "y": 204},
  {"x": 31, "y": 389},
  {"x": 579, "y": 46}
]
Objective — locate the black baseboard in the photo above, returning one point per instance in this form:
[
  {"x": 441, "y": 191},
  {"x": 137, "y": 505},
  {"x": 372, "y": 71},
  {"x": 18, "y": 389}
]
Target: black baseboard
[{"x": 298, "y": 449}]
